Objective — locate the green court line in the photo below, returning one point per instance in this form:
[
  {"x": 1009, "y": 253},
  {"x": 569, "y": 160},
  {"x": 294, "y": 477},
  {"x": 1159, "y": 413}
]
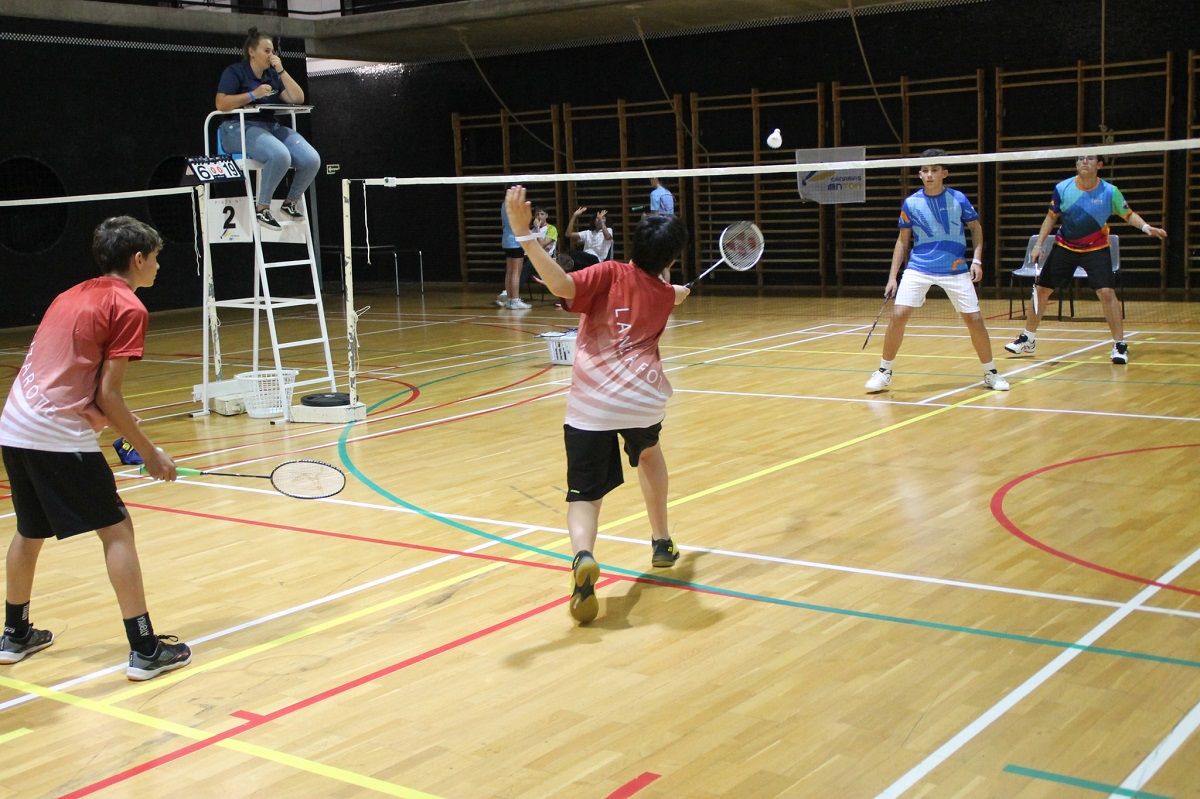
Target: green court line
[
  {"x": 1076, "y": 782},
  {"x": 344, "y": 456}
]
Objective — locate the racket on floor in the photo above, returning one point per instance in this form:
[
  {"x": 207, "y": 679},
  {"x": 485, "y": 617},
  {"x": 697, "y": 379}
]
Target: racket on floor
[
  {"x": 741, "y": 246},
  {"x": 301, "y": 479},
  {"x": 872, "y": 330}
]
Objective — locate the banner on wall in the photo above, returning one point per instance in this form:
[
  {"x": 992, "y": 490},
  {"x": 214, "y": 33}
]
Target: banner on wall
[{"x": 832, "y": 185}]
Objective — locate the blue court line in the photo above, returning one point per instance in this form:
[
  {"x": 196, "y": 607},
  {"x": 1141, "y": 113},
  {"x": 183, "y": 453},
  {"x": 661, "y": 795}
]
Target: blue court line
[
  {"x": 344, "y": 456},
  {"x": 1076, "y": 782}
]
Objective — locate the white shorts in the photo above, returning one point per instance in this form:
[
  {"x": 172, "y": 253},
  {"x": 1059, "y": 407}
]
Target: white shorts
[{"x": 915, "y": 285}]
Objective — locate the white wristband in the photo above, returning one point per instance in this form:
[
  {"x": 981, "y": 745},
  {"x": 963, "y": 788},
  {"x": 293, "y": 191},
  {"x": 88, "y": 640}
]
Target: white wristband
[
  {"x": 1146, "y": 228},
  {"x": 977, "y": 261},
  {"x": 528, "y": 237}
]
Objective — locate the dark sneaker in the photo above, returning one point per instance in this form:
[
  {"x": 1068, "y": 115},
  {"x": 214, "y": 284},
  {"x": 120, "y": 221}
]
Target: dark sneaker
[
  {"x": 126, "y": 453},
  {"x": 265, "y": 219},
  {"x": 1120, "y": 352},
  {"x": 584, "y": 573},
  {"x": 664, "y": 553},
  {"x": 13, "y": 650},
  {"x": 1022, "y": 345},
  {"x": 169, "y": 656},
  {"x": 292, "y": 212}
]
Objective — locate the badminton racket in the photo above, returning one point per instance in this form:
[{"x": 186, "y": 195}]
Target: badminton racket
[
  {"x": 300, "y": 479},
  {"x": 1037, "y": 272},
  {"x": 872, "y": 330},
  {"x": 741, "y": 246}
]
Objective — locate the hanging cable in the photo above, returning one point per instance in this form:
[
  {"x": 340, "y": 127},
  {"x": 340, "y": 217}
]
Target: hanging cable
[
  {"x": 637, "y": 23},
  {"x": 870, "y": 77},
  {"x": 504, "y": 105}
]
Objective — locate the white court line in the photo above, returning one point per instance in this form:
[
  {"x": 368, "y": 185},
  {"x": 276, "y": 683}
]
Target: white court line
[
  {"x": 966, "y": 734},
  {"x": 926, "y": 404},
  {"x": 279, "y": 614},
  {"x": 1026, "y": 368},
  {"x": 1159, "y": 756},
  {"x": 729, "y": 553}
]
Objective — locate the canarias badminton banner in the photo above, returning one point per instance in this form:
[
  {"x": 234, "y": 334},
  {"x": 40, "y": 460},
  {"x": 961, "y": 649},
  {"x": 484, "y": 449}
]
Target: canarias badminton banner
[{"x": 832, "y": 185}]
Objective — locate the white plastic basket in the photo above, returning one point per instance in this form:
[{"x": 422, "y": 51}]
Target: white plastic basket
[
  {"x": 260, "y": 392},
  {"x": 562, "y": 347}
]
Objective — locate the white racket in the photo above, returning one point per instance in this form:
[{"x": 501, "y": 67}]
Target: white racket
[
  {"x": 741, "y": 246},
  {"x": 300, "y": 479}
]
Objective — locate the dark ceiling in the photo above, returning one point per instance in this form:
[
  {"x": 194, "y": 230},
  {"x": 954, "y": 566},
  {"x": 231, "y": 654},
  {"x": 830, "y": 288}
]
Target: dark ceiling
[{"x": 488, "y": 27}]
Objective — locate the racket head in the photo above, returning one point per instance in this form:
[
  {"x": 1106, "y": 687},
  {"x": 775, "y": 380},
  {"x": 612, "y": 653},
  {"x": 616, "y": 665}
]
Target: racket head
[
  {"x": 308, "y": 479},
  {"x": 742, "y": 245}
]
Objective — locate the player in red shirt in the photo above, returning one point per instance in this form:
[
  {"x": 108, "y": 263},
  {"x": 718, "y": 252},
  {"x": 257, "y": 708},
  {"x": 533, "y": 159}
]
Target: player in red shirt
[
  {"x": 68, "y": 389},
  {"x": 618, "y": 386}
]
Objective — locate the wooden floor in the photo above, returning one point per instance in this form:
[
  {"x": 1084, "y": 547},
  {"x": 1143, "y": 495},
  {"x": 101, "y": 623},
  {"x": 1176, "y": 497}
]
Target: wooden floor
[{"x": 938, "y": 591}]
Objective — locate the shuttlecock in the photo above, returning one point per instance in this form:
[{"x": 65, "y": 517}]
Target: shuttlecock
[{"x": 774, "y": 141}]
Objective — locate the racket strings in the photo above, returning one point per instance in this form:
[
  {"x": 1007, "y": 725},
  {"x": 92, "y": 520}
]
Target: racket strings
[
  {"x": 742, "y": 245},
  {"x": 308, "y": 479}
]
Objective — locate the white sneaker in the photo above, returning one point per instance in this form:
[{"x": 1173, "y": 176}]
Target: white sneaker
[
  {"x": 1022, "y": 345},
  {"x": 1120, "y": 352},
  {"x": 995, "y": 381},
  {"x": 518, "y": 304},
  {"x": 879, "y": 380},
  {"x": 502, "y": 299}
]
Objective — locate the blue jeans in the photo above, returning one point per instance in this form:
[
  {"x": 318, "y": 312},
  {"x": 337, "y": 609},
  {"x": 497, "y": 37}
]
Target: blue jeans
[{"x": 276, "y": 147}]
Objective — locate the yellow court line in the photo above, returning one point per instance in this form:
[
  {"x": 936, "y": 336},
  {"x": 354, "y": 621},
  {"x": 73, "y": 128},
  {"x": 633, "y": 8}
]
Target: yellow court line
[
  {"x": 194, "y": 670},
  {"x": 107, "y": 705},
  {"x": 332, "y": 772},
  {"x": 830, "y": 449},
  {"x": 17, "y": 733}
]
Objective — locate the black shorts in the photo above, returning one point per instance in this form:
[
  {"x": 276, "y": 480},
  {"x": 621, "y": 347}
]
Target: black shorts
[
  {"x": 594, "y": 462},
  {"x": 1059, "y": 268},
  {"x": 61, "y": 494},
  {"x": 514, "y": 252}
]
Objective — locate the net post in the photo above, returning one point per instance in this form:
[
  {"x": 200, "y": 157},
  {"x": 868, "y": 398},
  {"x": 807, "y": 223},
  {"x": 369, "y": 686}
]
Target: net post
[{"x": 348, "y": 287}]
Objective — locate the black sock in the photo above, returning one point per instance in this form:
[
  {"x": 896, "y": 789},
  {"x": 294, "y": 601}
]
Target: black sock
[
  {"x": 16, "y": 620},
  {"x": 140, "y": 633}
]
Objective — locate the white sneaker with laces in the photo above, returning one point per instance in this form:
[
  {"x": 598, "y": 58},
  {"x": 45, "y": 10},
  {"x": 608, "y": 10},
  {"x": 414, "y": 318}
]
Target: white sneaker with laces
[
  {"x": 1022, "y": 345},
  {"x": 502, "y": 299},
  {"x": 518, "y": 304},
  {"x": 1120, "y": 352},
  {"x": 879, "y": 380},
  {"x": 995, "y": 381}
]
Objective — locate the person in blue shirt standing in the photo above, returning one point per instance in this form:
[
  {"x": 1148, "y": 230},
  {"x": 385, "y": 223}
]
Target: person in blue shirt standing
[
  {"x": 662, "y": 202},
  {"x": 1081, "y": 207},
  {"x": 932, "y": 220},
  {"x": 260, "y": 78}
]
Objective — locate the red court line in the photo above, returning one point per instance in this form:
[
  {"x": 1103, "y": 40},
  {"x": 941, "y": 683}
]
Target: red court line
[
  {"x": 526, "y": 379},
  {"x": 352, "y": 537},
  {"x": 634, "y": 785},
  {"x": 260, "y": 720},
  {"x": 1011, "y": 526}
]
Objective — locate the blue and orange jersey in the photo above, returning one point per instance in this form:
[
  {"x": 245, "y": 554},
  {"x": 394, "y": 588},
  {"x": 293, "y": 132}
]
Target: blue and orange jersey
[
  {"x": 937, "y": 223},
  {"x": 1083, "y": 215}
]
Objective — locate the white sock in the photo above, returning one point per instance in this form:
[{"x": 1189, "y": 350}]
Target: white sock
[
  {"x": 1029, "y": 335},
  {"x": 885, "y": 365},
  {"x": 990, "y": 366}
]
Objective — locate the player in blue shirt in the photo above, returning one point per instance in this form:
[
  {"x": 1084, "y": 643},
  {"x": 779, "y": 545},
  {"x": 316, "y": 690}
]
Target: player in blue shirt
[
  {"x": 932, "y": 221},
  {"x": 1081, "y": 207},
  {"x": 662, "y": 202}
]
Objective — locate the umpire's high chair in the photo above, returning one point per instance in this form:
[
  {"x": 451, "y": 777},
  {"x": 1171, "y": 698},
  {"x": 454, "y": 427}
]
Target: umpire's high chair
[{"x": 235, "y": 227}]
